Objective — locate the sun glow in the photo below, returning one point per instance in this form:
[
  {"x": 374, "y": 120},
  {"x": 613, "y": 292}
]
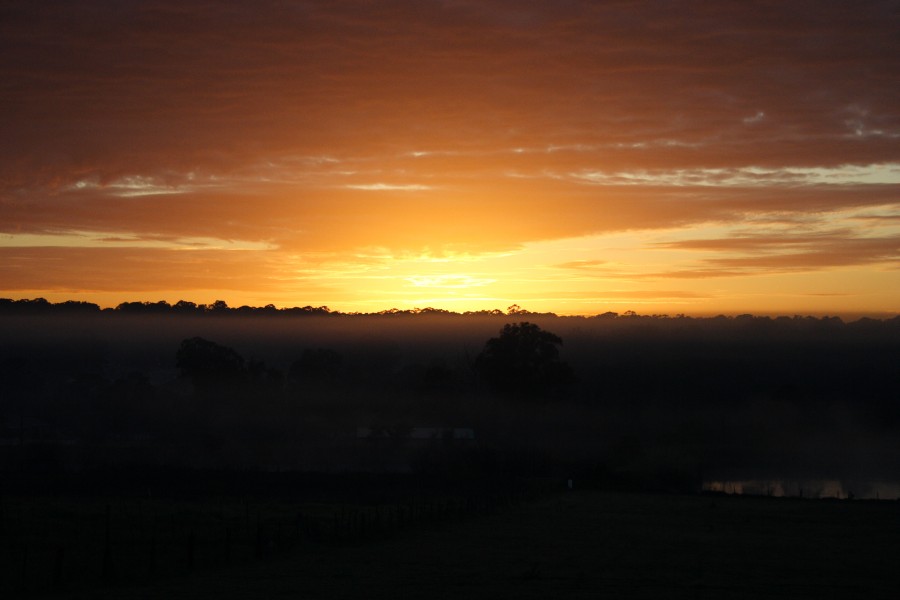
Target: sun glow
[
  {"x": 660, "y": 271},
  {"x": 451, "y": 281}
]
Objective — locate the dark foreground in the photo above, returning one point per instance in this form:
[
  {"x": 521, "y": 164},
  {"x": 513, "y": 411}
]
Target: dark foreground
[{"x": 590, "y": 545}]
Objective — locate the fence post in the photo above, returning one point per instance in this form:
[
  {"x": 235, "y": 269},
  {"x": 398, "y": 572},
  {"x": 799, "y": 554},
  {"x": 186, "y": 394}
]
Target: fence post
[
  {"x": 107, "y": 573},
  {"x": 190, "y": 551},
  {"x": 24, "y": 585},
  {"x": 58, "y": 568},
  {"x": 259, "y": 537},
  {"x": 151, "y": 559},
  {"x": 227, "y": 546},
  {"x": 299, "y": 527}
]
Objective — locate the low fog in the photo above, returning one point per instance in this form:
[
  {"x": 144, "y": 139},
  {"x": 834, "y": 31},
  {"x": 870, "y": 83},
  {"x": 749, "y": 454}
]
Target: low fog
[{"x": 630, "y": 401}]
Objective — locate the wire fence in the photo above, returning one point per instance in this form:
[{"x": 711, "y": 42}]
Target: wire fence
[{"x": 50, "y": 545}]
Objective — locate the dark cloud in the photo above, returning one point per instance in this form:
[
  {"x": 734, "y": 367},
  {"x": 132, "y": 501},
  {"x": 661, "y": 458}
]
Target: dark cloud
[
  {"x": 189, "y": 81},
  {"x": 768, "y": 254},
  {"x": 98, "y": 269}
]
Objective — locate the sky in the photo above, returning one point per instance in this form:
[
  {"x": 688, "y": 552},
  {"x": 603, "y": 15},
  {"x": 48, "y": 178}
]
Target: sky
[{"x": 577, "y": 157}]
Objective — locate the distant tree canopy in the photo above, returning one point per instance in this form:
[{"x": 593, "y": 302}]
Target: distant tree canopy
[
  {"x": 524, "y": 360},
  {"x": 220, "y": 308}
]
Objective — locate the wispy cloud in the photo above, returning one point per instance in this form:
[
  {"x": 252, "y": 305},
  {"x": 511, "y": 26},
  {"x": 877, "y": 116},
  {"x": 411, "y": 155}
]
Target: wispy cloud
[
  {"x": 87, "y": 239},
  {"x": 843, "y": 175},
  {"x": 131, "y": 186},
  {"x": 382, "y": 187}
]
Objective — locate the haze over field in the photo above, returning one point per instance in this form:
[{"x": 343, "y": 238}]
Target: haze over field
[
  {"x": 644, "y": 402},
  {"x": 575, "y": 157}
]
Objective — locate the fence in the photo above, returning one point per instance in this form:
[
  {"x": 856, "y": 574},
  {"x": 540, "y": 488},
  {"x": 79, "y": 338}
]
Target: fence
[{"x": 62, "y": 544}]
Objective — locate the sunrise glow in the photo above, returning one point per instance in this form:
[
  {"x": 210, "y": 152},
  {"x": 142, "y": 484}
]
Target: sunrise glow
[{"x": 696, "y": 159}]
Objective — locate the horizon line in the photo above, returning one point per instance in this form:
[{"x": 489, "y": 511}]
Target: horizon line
[{"x": 221, "y": 308}]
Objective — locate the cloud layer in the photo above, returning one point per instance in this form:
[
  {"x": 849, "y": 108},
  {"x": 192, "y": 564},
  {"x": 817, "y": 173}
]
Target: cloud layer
[{"x": 314, "y": 135}]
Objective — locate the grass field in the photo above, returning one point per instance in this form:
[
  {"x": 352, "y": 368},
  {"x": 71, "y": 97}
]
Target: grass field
[{"x": 588, "y": 545}]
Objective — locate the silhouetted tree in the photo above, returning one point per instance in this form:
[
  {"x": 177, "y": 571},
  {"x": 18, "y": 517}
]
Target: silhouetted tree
[
  {"x": 75, "y": 306},
  {"x": 208, "y": 364},
  {"x": 523, "y": 360},
  {"x": 219, "y": 307},
  {"x": 185, "y": 307},
  {"x": 24, "y": 306}
]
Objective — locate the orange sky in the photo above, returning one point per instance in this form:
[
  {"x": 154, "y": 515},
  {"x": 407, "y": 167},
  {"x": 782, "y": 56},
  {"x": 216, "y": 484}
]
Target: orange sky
[{"x": 575, "y": 157}]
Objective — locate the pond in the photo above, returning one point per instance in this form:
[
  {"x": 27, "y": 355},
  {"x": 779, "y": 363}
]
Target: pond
[{"x": 807, "y": 488}]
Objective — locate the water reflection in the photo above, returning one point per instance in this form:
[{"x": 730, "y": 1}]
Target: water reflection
[{"x": 810, "y": 488}]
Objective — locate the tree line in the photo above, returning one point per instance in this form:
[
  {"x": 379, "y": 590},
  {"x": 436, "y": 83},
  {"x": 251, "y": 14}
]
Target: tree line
[
  {"x": 39, "y": 306},
  {"x": 220, "y": 308}
]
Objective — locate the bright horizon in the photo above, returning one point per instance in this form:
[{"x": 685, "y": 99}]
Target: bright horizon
[{"x": 578, "y": 158}]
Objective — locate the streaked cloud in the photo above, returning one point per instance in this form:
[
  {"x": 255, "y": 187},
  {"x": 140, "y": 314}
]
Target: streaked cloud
[
  {"x": 382, "y": 187},
  {"x": 845, "y": 175},
  {"x": 85, "y": 239},
  {"x": 547, "y": 151}
]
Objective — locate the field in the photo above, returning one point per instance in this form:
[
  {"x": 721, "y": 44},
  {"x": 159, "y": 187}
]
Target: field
[
  {"x": 116, "y": 528},
  {"x": 385, "y": 456},
  {"x": 571, "y": 544}
]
